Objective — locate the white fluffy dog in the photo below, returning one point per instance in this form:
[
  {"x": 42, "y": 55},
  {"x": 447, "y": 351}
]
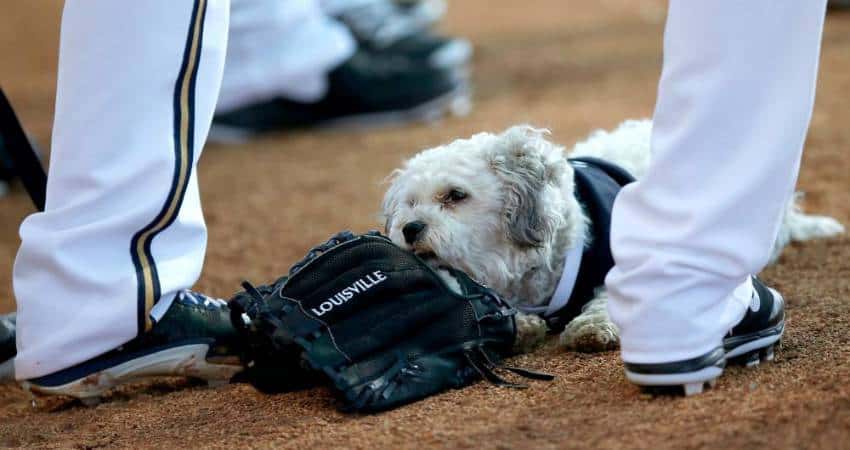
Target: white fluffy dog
[{"x": 502, "y": 207}]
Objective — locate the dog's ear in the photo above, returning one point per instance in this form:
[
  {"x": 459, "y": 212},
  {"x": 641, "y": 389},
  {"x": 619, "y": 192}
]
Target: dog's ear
[
  {"x": 531, "y": 170},
  {"x": 390, "y": 203}
]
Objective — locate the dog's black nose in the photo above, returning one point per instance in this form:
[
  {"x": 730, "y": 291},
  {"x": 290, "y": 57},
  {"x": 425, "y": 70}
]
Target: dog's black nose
[{"x": 412, "y": 230}]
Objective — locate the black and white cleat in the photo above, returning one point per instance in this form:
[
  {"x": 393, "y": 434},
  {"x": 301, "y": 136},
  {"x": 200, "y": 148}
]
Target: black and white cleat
[
  {"x": 194, "y": 339},
  {"x": 42, "y": 401},
  {"x": 749, "y": 343}
]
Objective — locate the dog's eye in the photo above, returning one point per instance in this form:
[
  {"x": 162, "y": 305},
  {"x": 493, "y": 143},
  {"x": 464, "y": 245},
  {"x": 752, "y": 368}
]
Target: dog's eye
[{"x": 456, "y": 195}]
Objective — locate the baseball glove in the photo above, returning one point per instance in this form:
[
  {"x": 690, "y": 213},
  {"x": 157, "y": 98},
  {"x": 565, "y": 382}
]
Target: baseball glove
[{"x": 382, "y": 325}]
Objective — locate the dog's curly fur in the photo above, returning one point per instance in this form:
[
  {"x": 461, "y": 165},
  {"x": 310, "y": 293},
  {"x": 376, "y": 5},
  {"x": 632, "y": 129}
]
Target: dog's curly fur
[{"x": 502, "y": 208}]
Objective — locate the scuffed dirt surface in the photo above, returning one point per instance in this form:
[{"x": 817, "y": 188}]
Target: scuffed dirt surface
[{"x": 571, "y": 66}]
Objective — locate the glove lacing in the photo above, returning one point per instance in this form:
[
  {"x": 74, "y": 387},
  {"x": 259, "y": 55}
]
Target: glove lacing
[{"x": 337, "y": 239}]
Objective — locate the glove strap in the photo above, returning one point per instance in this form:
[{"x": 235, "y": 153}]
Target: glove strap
[
  {"x": 251, "y": 313},
  {"x": 482, "y": 363},
  {"x": 486, "y": 369},
  {"x": 244, "y": 309}
]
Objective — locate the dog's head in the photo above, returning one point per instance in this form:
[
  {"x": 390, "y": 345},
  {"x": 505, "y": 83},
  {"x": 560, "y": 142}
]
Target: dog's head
[{"x": 491, "y": 205}]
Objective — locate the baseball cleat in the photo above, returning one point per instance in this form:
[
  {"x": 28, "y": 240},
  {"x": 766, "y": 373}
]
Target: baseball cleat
[
  {"x": 752, "y": 341},
  {"x": 194, "y": 339},
  {"x": 370, "y": 89},
  {"x": 7, "y": 347}
]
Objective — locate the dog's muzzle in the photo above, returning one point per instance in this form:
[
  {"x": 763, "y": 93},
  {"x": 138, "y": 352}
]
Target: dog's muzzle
[{"x": 412, "y": 231}]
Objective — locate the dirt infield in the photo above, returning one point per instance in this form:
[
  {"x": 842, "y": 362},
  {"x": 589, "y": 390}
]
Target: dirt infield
[{"x": 571, "y": 66}]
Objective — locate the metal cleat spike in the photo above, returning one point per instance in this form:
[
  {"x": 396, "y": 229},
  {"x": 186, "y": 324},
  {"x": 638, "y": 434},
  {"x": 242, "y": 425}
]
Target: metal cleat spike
[
  {"x": 768, "y": 354},
  {"x": 712, "y": 382},
  {"x": 27, "y": 387},
  {"x": 753, "y": 360},
  {"x": 90, "y": 401},
  {"x": 693, "y": 388},
  {"x": 33, "y": 398}
]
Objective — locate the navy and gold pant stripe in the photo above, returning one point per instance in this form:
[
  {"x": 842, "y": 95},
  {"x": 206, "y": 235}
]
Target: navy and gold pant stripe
[{"x": 184, "y": 134}]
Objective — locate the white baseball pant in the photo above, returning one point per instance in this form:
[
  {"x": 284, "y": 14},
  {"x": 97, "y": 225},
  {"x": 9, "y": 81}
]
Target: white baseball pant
[
  {"x": 122, "y": 229},
  {"x": 734, "y": 104}
]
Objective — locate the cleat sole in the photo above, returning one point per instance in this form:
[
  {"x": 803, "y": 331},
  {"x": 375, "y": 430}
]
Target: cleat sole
[
  {"x": 679, "y": 379},
  {"x": 688, "y": 389},
  {"x": 754, "y": 355},
  {"x": 752, "y": 345},
  {"x": 693, "y": 388},
  {"x": 187, "y": 360}
]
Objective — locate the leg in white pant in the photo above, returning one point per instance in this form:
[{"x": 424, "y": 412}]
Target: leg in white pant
[
  {"x": 122, "y": 230},
  {"x": 733, "y": 108}
]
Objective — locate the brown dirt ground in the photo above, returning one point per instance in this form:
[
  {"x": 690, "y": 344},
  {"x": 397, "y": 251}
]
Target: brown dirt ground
[{"x": 570, "y": 65}]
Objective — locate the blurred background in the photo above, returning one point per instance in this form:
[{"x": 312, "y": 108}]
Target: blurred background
[{"x": 308, "y": 127}]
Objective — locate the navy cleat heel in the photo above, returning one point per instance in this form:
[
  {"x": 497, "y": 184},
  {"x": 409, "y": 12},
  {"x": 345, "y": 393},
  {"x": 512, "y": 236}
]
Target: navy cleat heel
[{"x": 754, "y": 339}]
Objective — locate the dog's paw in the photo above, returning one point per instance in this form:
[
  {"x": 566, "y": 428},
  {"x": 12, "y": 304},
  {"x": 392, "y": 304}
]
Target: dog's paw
[
  {"x": 530, "y": 333},
  {"x": 590, "y": 333}
]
